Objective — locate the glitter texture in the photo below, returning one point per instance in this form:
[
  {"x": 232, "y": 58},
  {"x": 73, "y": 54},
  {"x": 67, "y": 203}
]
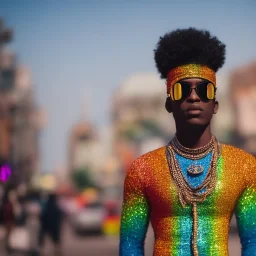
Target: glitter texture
[
  {"x": 150, "y": 194},
  {"x": 190, "y": 71}
]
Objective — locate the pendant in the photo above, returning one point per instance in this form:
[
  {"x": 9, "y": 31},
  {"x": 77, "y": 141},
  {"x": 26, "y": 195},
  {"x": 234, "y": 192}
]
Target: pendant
[{"x": 195, "y": 169}]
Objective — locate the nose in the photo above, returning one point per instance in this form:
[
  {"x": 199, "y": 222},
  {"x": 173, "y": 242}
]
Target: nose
[{"x": 193, "y": 95}]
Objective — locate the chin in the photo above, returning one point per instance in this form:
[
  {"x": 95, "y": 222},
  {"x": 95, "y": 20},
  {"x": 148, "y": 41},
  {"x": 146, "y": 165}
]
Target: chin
[
  {"x": 196, "y": 122},
  {"x": 193, "y": 121}
]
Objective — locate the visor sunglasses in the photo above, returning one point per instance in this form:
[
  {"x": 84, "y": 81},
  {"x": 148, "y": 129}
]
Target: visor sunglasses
[{"x": 181, "y": 91}]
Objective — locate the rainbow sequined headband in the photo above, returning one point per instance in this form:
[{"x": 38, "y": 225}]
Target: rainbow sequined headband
[{"x": 190, "y": 71}]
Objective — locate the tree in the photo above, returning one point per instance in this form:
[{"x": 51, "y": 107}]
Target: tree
[{"x": 82, "y": 178}]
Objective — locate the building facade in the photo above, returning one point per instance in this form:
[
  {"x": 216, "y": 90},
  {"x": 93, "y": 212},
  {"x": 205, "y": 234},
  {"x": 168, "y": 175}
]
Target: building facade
[
  {"x": 20, "y": 121},
  {"x": 243, "y": 96},
  {"x": 139, "y": 118}
]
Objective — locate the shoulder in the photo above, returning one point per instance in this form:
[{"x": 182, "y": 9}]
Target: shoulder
[
  {"x": 147, "y": 159},
  {"x": 141, "y": 166},
  {"x": 237, "y": 154},
  {"x": 240, "y": 160}
]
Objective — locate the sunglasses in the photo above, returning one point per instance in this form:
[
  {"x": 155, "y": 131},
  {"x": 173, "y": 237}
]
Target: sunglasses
[{"x": 182, "y": 90}]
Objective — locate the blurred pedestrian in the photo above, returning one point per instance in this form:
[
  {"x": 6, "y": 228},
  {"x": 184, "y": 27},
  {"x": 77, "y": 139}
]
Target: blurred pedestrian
[
  {"x": 8, "y": 217},
  {"x": 51, "y": 223},
  {"x": 21, "y": 214}
]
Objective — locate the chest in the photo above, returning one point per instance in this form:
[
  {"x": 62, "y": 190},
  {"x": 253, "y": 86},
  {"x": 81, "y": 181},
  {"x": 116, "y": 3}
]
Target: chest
[{"x": 163, "y": 198}]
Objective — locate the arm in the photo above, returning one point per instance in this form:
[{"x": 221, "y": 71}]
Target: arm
[
  {"x": 134, "y": 219},
  {"x": 246, "y": 215}
]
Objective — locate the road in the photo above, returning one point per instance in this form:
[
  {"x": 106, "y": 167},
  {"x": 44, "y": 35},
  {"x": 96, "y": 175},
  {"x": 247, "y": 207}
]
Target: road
[{"x": 108, "y": 246}]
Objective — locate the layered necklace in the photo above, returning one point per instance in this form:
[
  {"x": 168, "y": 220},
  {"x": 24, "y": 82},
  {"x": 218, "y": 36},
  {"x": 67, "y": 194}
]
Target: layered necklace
[{"x": 186, "y": 193}]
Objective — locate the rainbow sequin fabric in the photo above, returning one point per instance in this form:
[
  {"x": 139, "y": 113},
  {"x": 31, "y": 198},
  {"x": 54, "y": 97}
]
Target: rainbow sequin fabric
[{"x": 150, "y": 194}]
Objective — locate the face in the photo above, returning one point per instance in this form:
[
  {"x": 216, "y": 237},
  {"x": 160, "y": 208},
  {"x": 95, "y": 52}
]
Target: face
[{"x": 193, "y": 110}]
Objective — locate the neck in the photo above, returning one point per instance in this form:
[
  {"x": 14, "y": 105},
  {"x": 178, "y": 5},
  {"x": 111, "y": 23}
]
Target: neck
[{"x": 192, "y": 137}]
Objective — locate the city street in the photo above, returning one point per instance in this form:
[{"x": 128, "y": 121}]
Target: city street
[
  {"x": 108, "y": 246},
  {"x": 107, "y": 109}
]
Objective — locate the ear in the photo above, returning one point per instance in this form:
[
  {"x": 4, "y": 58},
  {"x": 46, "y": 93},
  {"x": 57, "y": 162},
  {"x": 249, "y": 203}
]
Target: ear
[
  {"x": 216, "y": 107},
  {"x": 168, "y": 104}
]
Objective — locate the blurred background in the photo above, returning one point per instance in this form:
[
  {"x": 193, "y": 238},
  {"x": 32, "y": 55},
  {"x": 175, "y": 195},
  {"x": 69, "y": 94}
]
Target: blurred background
[{"x": 80, "y": 99}]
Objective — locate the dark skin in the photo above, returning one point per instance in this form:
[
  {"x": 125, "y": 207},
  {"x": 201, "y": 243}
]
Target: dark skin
[{"x": 192, "y": 117}]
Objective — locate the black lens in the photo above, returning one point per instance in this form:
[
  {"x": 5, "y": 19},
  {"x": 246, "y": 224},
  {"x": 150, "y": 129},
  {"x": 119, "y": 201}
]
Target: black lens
[
  {"x": 201, "y": 91},
  {"x": 186, "y": 90}
]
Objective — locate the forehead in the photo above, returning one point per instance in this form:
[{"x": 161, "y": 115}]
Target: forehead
[{"x": 193, "y": 80}]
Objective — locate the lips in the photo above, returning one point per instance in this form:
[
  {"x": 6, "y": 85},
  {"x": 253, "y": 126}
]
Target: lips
[{"x": 194, "y": 110}]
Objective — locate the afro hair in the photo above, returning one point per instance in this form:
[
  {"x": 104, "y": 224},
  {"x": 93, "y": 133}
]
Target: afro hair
[{"x": 187, "y": 46}]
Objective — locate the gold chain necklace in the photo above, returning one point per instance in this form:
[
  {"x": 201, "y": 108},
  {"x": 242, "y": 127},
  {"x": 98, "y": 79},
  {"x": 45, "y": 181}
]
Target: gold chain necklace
[
  {"x": 193, "y": 154},
  {"x": 187, "y": 194}
]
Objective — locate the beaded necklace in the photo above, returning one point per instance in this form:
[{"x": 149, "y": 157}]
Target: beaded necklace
[{"x": 186, "y": 193}]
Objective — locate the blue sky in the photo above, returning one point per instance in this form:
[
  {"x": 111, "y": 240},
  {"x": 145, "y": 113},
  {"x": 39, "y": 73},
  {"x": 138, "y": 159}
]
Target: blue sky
[{"x": 74, "y": 48}]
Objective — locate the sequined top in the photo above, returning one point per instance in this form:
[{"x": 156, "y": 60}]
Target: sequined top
[{"x": 150, "y": 194}]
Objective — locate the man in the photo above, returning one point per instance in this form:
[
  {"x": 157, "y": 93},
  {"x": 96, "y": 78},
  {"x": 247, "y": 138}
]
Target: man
[{"x": 189, "y": 189}]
